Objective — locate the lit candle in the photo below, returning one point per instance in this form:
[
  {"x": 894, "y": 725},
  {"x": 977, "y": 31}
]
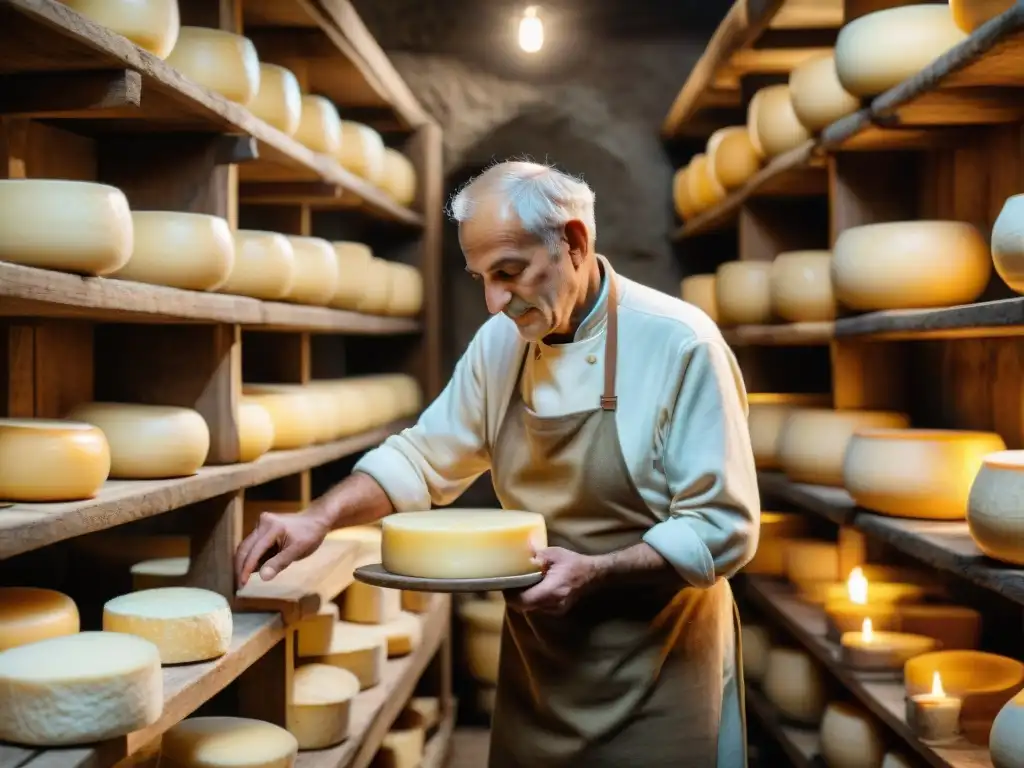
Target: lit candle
[
  {"x": 934, "y": 716},
  {"x": 881, "y": 651},
  {"x": 846, "y": 612}
]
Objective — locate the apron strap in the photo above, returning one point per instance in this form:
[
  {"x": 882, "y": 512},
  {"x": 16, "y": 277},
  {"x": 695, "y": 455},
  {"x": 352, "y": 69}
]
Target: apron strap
[{"x": 611, "y": 343}]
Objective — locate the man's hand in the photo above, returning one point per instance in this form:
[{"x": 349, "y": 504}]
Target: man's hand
[
  {"x": 567, "y": 576},
  {"x": 293, "y": 536}
]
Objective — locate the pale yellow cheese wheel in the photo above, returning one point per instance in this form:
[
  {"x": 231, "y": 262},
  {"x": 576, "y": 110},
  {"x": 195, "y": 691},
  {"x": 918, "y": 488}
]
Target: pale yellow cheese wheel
[
  {"x": 812, "y": 561},
  {"x": 819, "y": 99},
  {"x": 72, "y": 226},
  {"x": 319, "y": 125},
  {"x": 794, "y": 684},
  {"x": 376, "y": 287},
  {"x": 699, "y": 290},
  {"x": 753, "y": 111},
  {"x": 264, "y": 265},
  {"x": 910, "y": 265},
  {"x": 1008, "y": 243},
  {"x": 483, "y": 655},
  {"x": 882, "y": 49},
  {"x": 995, "y": 507},
  {"x": 296, "y": 424},
  {"x": 732, "y": 157},
  {"x": 743, "y": 293},
  {"x": 315, "y": 401},
  {"x": 685, "y": 206},
  {"x": 971, "y": 14},
  {"x": 399, "y": 177},
  {"x": 219, "y": 60},
  {"x": 30, "y": 614},
  {"x": 767, "y": 412},
  {"x": 239, "y": 742},
  {"x": 159, "y": 572},
  {"x": 405, "y": 291},
  {"x": 777, "y": 529},
  {"x": 279, "y": 99},
  {"x": 193, "y": 251},
  {"x": 483, "y": 614},
  {"x": 151, "y": 24},
  {"x": 921, "y": 473},
  {"x": 362, "y": 151},
  {"x": 775, "y": 124},
  {"x": 320, "y": 710},
  {"x": 316, "y": 271},
  {"x": 353, "y": 258},
  {"x": 44, "y": 460},
  {"x": 149, "y": 442},
  {"x": 801, "y": 286},
  {"x": 756, "y": 644},
  {"x": 255, "y": 431},
  {"x": 705, "y": 190},
  {"x": 851, "y": 737}
]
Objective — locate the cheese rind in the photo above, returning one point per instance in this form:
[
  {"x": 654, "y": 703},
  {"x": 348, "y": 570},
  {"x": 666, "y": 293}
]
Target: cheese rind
[
  {"x": 793, "y": 683},
  {"x": 398, "y": 179},
  {"x": 316, "y": 271},
  {"x": 223, "y": 742},
  {"x": 255, "y": 431},
  {"x": 774, "y": 122},
  {"x": 743, "y": 293},
  {"x": 352, "y": 260},
  {"x": 279, "y": 98},
  {"x": 850, "y": 737},
  {"x": 30, "y": 614},
  {"x": 732, "y": 156},
  {"x": 319, "y": 714},
  {"x": 362, "y": 151},
  {"x": 79, "y": 688},
  {"x": 43, "y": 460},
  {"x": 403, "y": 634},
  {"x": 159, "y": 572},
  {"x": 699, "y": 290},
  {"x": 314, "y": 634},
  {"x": 264, "y": 265},
  {"x": 767, "y": 413},
  {"x": 362, "y": 649},
  {"x": 319, "y": 125},
  {"x": 219, "y": 60},
  {"x": 185, "y": 623},
  {"x": 819, "y": 99},
  {"x": 152, "y": 25},
  {"x": 368, "y": 604},
  {"x": 801, "y": 286}
]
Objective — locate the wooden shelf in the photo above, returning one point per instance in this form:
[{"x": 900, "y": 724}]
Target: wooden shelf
[
  {"x": 435, "y": 753},
  {"x": 833, "y": 504},
  {"x": 984, "y": 319},
  {"x": 885, "y": 699},
  {"x": 799, "y": 744},
  {"x": 24, "y": 527},
  {"x": 781, "y": 335}
]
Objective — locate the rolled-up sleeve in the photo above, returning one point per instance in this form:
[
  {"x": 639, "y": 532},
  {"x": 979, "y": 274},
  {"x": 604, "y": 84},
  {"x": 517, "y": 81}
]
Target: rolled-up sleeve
[{"x": 714, "y": 515}]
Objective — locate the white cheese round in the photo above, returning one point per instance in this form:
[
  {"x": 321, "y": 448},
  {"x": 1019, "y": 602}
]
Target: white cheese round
[
  {"x": 971, "y": 14},
  {"x": 801, "y": 286},
  {"x": 794, "y": 684},
  {"x": 774, "y": 126},
  {"x": 362, "y": 151},
  {"x": 72, "y": 226},
  {"x": 767, "y": 412},
  {"x": 255, "y": 431},
  {"x": 187, "y": 624},
  {"x": 362, "y": 649},
  {"x": 699, "y": 290},
  {"x": 818, "y": 97},
  {"x": 851, "y": 737},
  {"x": 279, "y": 99},
  {"x": 353, "y": 259},
  {"x": 366, "y": 537},
  {"x": 44, "y": 460},
  {"x": 1006, "y": 739},
  {"x": 703, "y": 187},
  {"x": 743, "y": 293},
  {"x": 319, "y": 125},
  {"x": 403, "y": 634},
  {"x": 159, "y": 572},
  {"x": 316, "y": 271},
  {"x": 192, "y": 251},
  {"x": 319, "y": 714},
  {"x": 79, "y": 688},
  {"x": 151, "y": 24},
  {"x": 405, "y": 293},
  {"x": 1008, "y": 243},
  {"x": 264, "y": 265},
  {"x": 995, "y": 516},
  {"x": 399, "y": 177},
  {"x": 732, "y": 156},
  {"x": 219, "y": 742},
  {"x": 149, "y": 442},
  {"x": 31, "y": 614},
  {"x": 219, "y": 60},
  {"x": 376, "y": 287}
]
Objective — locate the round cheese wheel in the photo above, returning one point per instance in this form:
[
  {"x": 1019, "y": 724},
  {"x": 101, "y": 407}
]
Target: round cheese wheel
[
  {"x": 818, "y": 97},
  {"x": 399, "y": 177},
  {"x": 704, "y": 188},
  {"x": 1008, "y": 243},
  {"x": 483, "y": 655},
  {"x": 319, "y": 125},
  {"x": 910, "y": 265},
  {"x": 801, "y": 286},
  {"x": 463, "y": 543},
  {"x": 882, "y": 49},
  {"x": 192, "y": 251},
  {"x": 810, "y": 561},
  {"x": 686, "y": 207},
  {"x": 405, "y": 292},
  {"x": 732, "y": 157},
  {"x": 813, "y": 441},
  {"x": 321, "y": 402},
  {"x": 794, "y": 684},
  {"x": 971, "y": 14},
  {"x": 921, "y": 473},
  {"x": 31, "y": 614},
  {"x": 362, "y": 649},
  {"x": 756, "y": 645},
  {"x": 369, "y": 604},
  {"x": 255, "y": 431},
  {"x": 316, "y": 271},
  {"x": 159, "y": 572},
  {"x": 995, "y": 517},
  {"x": 149, "y": 442},
  {"x": 45, "y": 460},
  {"x": 151, "y": 24},
  {"x": 367, "y": 537},
  {"x": 353, "y": 259},
  {"x": 376, "y": 287},
  {"x": 743, "y": 293},
  {"x": 777, "y": 530},
  {"x": 850, "y": 737},
  {"x": 362, "y": 151},
  {"x": 264, "y": 266},
  {"x": 483, "y": 615},
  {"x": 219, "y": 60},
  {"x": 352, "y": 407},
  {"x": 774, "y": 126},
  {"x": 321, "y": 704},
  {"x": 186, "y": 624},
  {"x": 1006, "y": 739},
  {"x": 699, "y": 290},
  {"x": 279, "y": 99},
  {"x": 79, "y": 689},
  {"x": 767, "y": 412},
  {"x": 296, "y": 423},
  {"x": 73, "y": 226},
  {"x": 417, "y": 602},
  {"x": 402, "y": 634},
  {"x": 213, "y": 742}
]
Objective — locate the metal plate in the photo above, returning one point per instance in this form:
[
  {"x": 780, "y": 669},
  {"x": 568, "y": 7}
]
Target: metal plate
[{"x": 376, "y": 575}]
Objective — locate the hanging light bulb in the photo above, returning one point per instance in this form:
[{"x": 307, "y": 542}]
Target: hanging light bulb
[{"x": 531, "y": 30}]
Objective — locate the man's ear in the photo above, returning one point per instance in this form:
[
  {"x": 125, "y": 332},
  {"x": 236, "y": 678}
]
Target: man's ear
[{"x": 577, "y": 237}]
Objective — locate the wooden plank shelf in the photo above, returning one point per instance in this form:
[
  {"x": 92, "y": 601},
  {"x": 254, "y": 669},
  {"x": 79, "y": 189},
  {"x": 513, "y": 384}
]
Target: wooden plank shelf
[
  {"x": 1004, "y": 317},
  {"x": 781, "y": 335},
  {"x": 435, "y": 753},
  {"x": 27, "y": 291},
  {"x": 885, "y": 699},
  {"x": 25, "y": 527},
  {"x": 833, "y": 504},
  {"x": 799, "y": 744}
]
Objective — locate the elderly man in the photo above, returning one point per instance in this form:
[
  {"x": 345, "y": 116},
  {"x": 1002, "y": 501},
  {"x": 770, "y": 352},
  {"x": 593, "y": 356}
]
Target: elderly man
[{"x": 619, "y": 413}]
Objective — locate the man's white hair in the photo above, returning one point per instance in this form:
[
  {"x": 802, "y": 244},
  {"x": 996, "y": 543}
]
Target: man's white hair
[{"x": 542, "y": 198}]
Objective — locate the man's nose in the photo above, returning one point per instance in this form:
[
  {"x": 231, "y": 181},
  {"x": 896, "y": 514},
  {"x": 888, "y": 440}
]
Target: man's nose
[{"x": 496, "y": 297}]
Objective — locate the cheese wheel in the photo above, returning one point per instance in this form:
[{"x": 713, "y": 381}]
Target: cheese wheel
[
  {"x": 753, "y": 112},
  {"x": 767, "y": 412},
  {"x": 417, "y": 602},
  {"x": 819, "y": 99},
  {"x": 995, "y": 516},
  {"x": 316, "y": 271},
  {"x": 399, "y": 177},
  {"x": 483, "y": 615},
  {"x": 1008, "y": 243},
  {"x": 239, "y": 742},
  {"x": 705, "y": 190},
  {"x": 320, "y": 711},
  {"x": 319, "y": 402},
  {"x": 971, "y": 14},
  {"x": 775, "y": 124},
  {"x": 777, "y": 530},
  {"x": 186, "y": 624},
  {"x": 352, "y": 261},
  {"x": 403, "y": 634},
  {"x": 402, "y": 746},
  {"x": 810, "y": 561},
  {"x": 319, "y": 125},
  {"x": 255, "y": 431},
  {"x": 1006, "y": 739},
  {"x": 483, "y": 655},
  {"x": 743, "y": 293},
  {"x": 882, "y": 49},
  {"x": 31, "y": 614},
  {"x": 79, "y": 688},
  {"x": 148, "y": 442},
  {"x": 279, "y": 99},
  {"x": 794, "y": 684},
  {"x": 315, "y": 632},
  {"x": 73, "y": 226},
  {"x": 44, "y": 460},
  {"x": 801, "y": 286},
  {"x": 376, "y": 287},
  {"x": 362, "y": 151},
  {"x": 295, "y": 421},
  {"x": 686, "y": 207},
  {"x": 756, "y": 645},
  {"x": 368, "y": 604},
  {"x": 152, "y": 25},
  {"x": 159, "y": 572},
  {"x": 699, "y": 290},
  {"x": 219, "y": 60},
  {"x": 463, "y": 543},
  {"x": 405, "y": 292},
  {"x": 362, "y": 649},
  {"x": 427, "y": 708},
  {"x": 192, "y": 251},
  {"x": 850, "y": 737},
  {"x": 910, "y": 265},
  {"x": 264, "y": 265},
  {"x": 732, "y": 157}
]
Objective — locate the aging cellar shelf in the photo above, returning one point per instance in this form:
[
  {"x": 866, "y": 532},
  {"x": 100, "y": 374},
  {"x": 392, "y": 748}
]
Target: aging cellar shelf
[
  {"x": 799, "y": 744},
  {"x": 984, "y": 319},
  {"x": 783, "y": 334}
]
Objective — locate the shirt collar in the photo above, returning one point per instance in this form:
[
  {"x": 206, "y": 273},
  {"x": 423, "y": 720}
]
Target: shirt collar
[{"x": 597, "y": 318}]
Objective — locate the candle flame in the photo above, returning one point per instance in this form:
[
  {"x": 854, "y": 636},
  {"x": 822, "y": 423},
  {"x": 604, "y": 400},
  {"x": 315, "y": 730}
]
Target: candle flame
[
  {"x": 857, "y": 586},
  {"x": 937, "y": 684},
  {"x": 867, "y": 631}
]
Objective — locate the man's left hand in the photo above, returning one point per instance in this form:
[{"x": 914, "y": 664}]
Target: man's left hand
[{"x": 567, "y": 575}]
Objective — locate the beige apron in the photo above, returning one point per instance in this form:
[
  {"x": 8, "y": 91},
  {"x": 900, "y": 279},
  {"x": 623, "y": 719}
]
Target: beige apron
[{"x": 631, "y": 676}]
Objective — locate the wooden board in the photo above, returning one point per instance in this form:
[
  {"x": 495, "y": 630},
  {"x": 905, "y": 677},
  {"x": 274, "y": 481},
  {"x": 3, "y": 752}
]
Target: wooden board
[
  {"x": 833, "y": 504},
  {"x": 375, "y": 575},
  {"x": 1004, "y": 317},
  {"x": 782, "y": 335}
]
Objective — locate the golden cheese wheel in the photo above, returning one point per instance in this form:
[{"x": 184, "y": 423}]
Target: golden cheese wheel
[
  {"x": 319, "y": 712},
  {"x": 152, "y": 25},
  {"x": 279, "y": 98},
  {"x": 700, "y": 291},
  {"x": 819, "y": 99},
  {"x": 31, "y": 614},
  {"x": 376, "y": 288},
  {"x": 1008, "y": 243},
  {"x": 812, "y": 561},
  {"x": 264, "y": 265},
  {"x": 732, "y": 156},
  {"x": 705, "y": 190},
  {"x": 775, "y": 127},
  {"x": 319, "y": 125},
  {"x": 399, "y": 177},
  {"x": 777, "y": 529},
  {"x": 767, "y": 412},
  {"x": 255, "y": 431},
  {"x": 353, "y": 259},
  {"x": 801, "y": 286},
  {"x": 316, "y": 271},
  {"x": 362, "y": 151},
  {"x": 321, "y": 402},
  {"x": 405, "y": 290},
  {"x": 44, "y": 460},
  {"x": 971, "y": 14},
  {"x": 685, "y": 206},
  {"x": 219, "y": 60},
  {"x": 743, "y": 292},
  {"x": 995, "y": 515},
  {"x": 296, "y": 424},
  {"x": 72, "y": 226},
  {"x": 353, "y": 407},
  {"x": 193, "y": 251},
  {"x": 851, "y": 737},
  {"x": 483, "y": 655}
]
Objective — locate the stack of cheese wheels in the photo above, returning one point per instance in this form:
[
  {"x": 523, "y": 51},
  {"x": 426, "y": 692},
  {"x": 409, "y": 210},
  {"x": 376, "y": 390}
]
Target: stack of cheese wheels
[
  {"x": 704, "y": 190},
  {"x": 316, "y": 271},
  {"x": 159, "y": 572},
  {"x": 1008, "y": 243},
  {"x": 264, "y": 265},
  {"x": 819, "y": 99},
  {"x": 882, "y": 49},
  {"x": 743, "y": 293},
  {"x": 756, "y": 642},
  {"x": 79, "y": 688},
  {"x": 296, "y": 421},
  {"x": 767, "y": 413},
  {"x": 319, "y": 125},
  {"x": 732, "y": 157},
  {"x": 910, "y": 264},
  {"x": 794, "y": 684},
  {"x": 219, "y": 60},
  {"x": 152, "y": 25},
  {"x": 405, "y": 290},
  {"x": 801, "y": 286},
  {"x": 376, "y": 287},
  {"x": 362, "y": 151},
  {"x": 390, "y": 396},
  {"x": 851, "y": 737},
  {"x": 812, "y": 443},
  {"x": 971, "y": 14},
  {"x": 699, "y": 290},
  {"x": 995, "y": 516},
  {"x": 320, "y": 709},
  {"x": 327, "y": 425},
  {"x": 87, "y": 228},
  {"x": 209, "y": 742},
  {"x": 31, "y": 614},
  {"x": 403, "y": 744},
  {"x": 43, "y": 460},
  {"x": 772, "y": 123},
  {"x": 192, "y": 251},
  {"x": 279, "y": 99},
  {"x": 149, "y": 442},
  {"x": 398, "y": 179},
  {"x": 777, "y": 531},
  {"x": 255, "y": 431},
  {"x": 353, "y": 259},
  {"x": 361, "y": 649},
  {"x": 482, "y": 621},
  {"x": 380, "y": 610},
  {"x": 922, "y": 473}
]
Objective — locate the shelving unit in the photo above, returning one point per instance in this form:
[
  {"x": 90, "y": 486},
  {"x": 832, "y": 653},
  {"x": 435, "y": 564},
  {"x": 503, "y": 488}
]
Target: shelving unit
[{"x": 78, "y": 101}]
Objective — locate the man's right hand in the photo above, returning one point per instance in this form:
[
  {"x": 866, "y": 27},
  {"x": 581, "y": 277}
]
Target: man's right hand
[{"x": 292, "y": 536}]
